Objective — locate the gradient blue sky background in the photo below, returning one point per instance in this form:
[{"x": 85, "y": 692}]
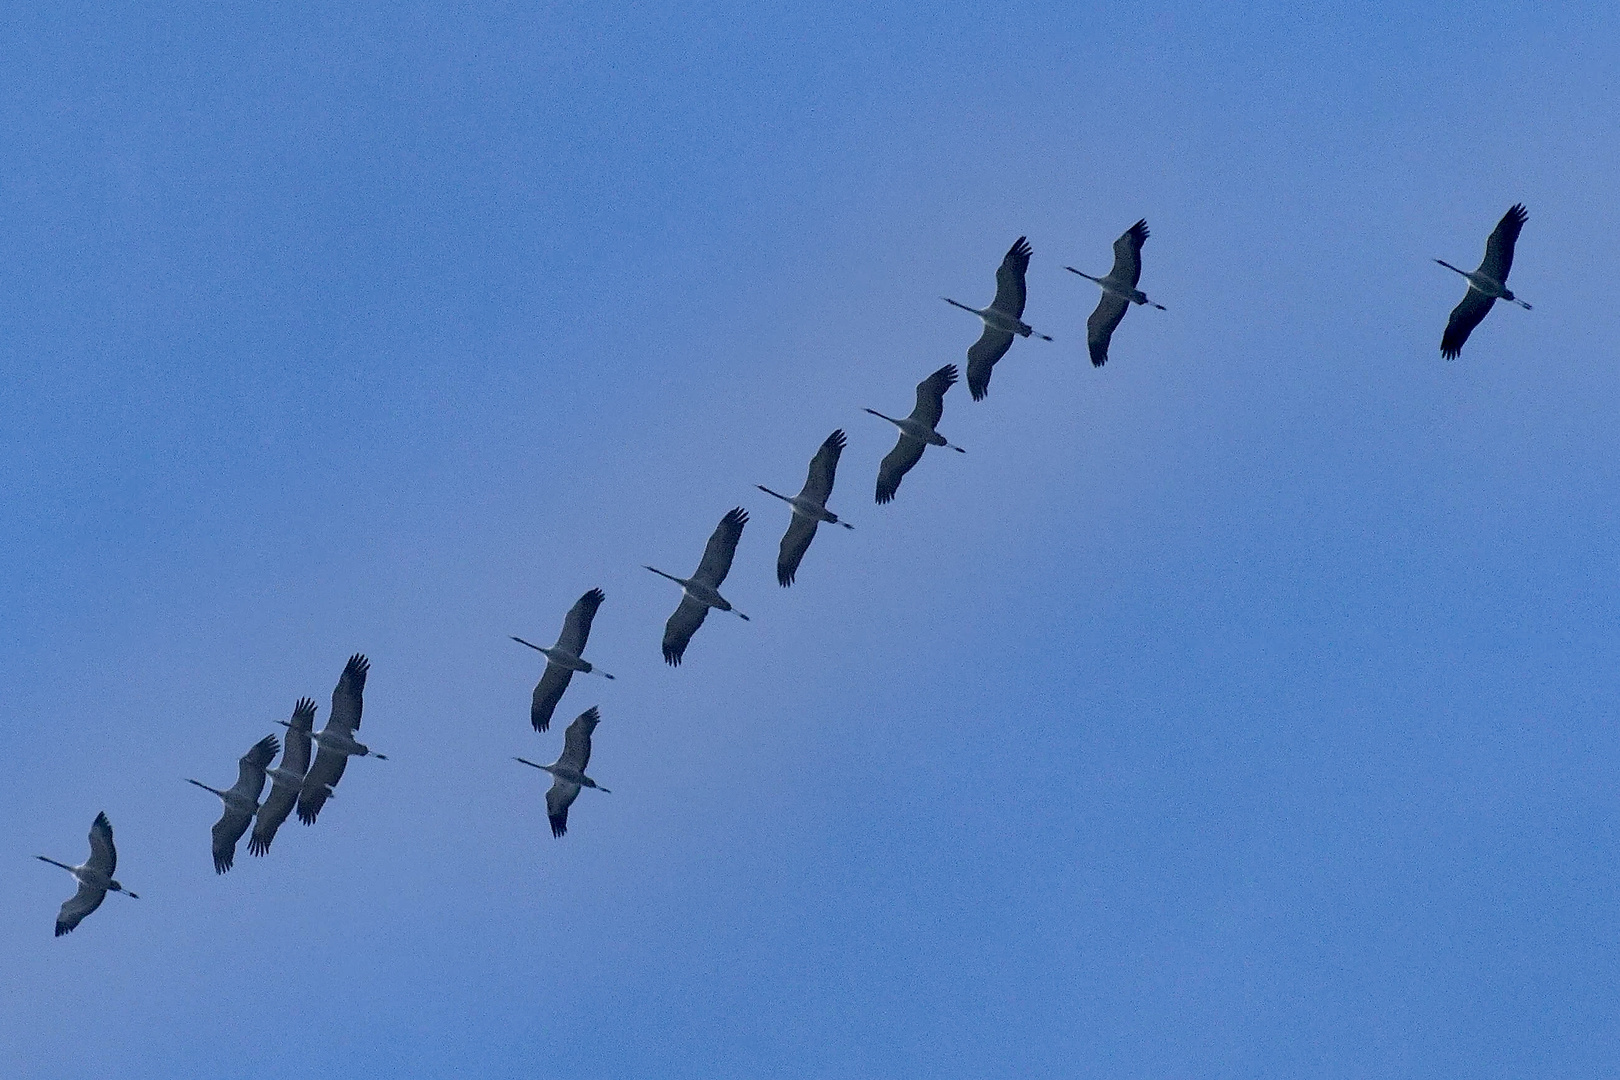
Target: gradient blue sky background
[{"x": 1243, "y": 709}]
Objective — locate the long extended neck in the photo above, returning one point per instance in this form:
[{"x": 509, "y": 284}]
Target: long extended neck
[
  {"x": 1083, "y": 274},
  {"x": 778, "y": 494},
  {"x": 964, "y": 307},
  {"x": 679, "y": 581},
  {"x": 890, "y": 419},
  {"x": 53, "y": 862},
  {"x": 205, "y": 787},
  {"x": 531, "y": 645},
  {"x": 1448, "y": 266}
]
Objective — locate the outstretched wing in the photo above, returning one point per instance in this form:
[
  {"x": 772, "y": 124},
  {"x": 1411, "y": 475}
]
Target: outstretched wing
[
  {"x": 251, "y": 765},
  {"x": 227, "y": 831},
  {"x": 1464, "y": 317},
  {"x": 680, "y": 628},
  {"x": 558, "y": 800},
  {"x": 818, "y": 484},
  {"x": 982, "y": 356},
  {"x": 324, "y": 774},
  {"x": 722, "y": 547},
  {"x": 103, "y": 856},
  {"x": 577, "y": 626},
  {"x": 77, "y": 906},
  {"x": 272, "y": 812},
  {"x": 931, "y": 396},
  {"x": 547, "y": 692},
  {"x": 906, "y": 453},
  {"x": 284, "y": 793},
  {"x": 1499, "y": 248},
  {"x": 1010, "y": 279},
  {"x": 795, "y": 542},
  {"x": 577, "y": 740},
  {"x": 1128, "y": 254},
  {"x": 346, "y": 696},
  {"x": 1109, "y": 314}
]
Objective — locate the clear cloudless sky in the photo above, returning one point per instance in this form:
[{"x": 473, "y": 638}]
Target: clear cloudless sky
[{"x": 1242, "y": 709}]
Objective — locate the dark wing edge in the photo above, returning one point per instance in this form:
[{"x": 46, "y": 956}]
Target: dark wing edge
[
  {"x": 721, "y": 548},
  {"x": 982, "y": 357},
  {"x": 678, "y": 631},
  {"x": 1010, "y": 292},
  {"x": 347, "y": 696},
  {"x": 547, "y": 693},
  {"x": 896, "y": 463},
  {"x": 795, "y": 542},
  {"x": 577, "y": 625},
  {"x": 1499, "y": 248},
  {"x": 1468, "y": 313},
  {"x": 1107, "y": 316}
]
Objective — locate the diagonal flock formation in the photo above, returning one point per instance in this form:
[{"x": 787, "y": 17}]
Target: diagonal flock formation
[{"x": 298, "y": 783}]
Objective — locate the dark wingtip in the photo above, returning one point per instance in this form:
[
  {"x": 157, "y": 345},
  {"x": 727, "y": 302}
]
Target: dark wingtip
[
  {"x": 63, "y": 928},
  {"x": 838, "y": 439}
]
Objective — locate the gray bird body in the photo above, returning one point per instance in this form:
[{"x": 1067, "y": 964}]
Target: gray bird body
[
  {"x": 241, "y": 800},
  {"x": 568, "y": 771},
  {"x": 94, "y": 875}
]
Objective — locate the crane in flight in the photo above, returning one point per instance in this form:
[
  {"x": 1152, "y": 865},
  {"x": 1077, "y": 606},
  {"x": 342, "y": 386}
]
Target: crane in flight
[
  {"x": 568, "y": 771},
  {"x": 701, "y": 591},
  {"x": 916, "y": 432},
  {"x": 95, "y": 877},
  {"x": 286, "y": 779},
  {"x": 562, "y": 659},
  {"x": 336, "y": 740},
  {"x": 1002, "y": 319},
  {"x": 809, "y": 508},
  {"x": 241, "y": 800},
  {"x": 1486, "y": 285},
  {"x": 1119, "y": 291}
]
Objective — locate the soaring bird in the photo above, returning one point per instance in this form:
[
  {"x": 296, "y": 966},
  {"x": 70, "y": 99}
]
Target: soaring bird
[
  {"x": 1486, "y": 285},
  {"x": 568, "y": 771},
  {"x": 562, "y": 659},
  {"x": 241, "y": 801},
  {"x": 95, "y": 876},
  {"x": 336, "y": 740},
  {"x": 1002, "y": 319},
  {"x": 809, "y": 508},
  {"x": 701, "y": 591},
  {"x": 286, "y": 779},
  {"x": 916, "y": 431},
  {"x": 1119, "y": 291}
]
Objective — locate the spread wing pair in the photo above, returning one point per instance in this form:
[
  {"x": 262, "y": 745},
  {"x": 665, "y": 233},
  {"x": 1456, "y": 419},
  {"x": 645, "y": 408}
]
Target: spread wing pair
[
  {"x": 341, "y": 724},
  {"x": 1011, "y": 293},
  {"x": 287, "y": 778},
  {"x": 1476, "y": 304},
  {"x": 554, "y": 680},
  {"x": 917, "y": 432}
]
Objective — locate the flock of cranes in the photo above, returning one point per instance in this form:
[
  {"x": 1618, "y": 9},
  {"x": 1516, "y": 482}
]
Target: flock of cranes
[{"x": 299, "y": 783}]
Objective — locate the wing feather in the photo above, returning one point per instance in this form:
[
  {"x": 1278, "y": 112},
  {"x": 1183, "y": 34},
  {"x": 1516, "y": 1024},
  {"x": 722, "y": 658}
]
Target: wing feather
[
  {"x": 931, "y": 396},
  {"x": 77, "y": 906},
  {"x": 558, "y": 800},
  {"x": 547, "y": 693},
  {"x": 346, "y": 696},
  {"x": 1110, "y": 312},
  {"x": 721, "y": 548},
  {"x": 982, "y": 357},
  {"x": 325, "y": 773},
  {"x": 1010, "y": 279},
  {"x": 251, "y": 765},
  {"x": 795, "y": 542},
  {"x": 1499, "y": 248},
  {"x": 227, "y": 831},
  {"x": 906, "y": 453},
  {"x": 818, "y": 484},
  {"x": 577, "y": 625},
  {"x": 681, "y": 626},
  {"x": 103, "y": 856},
  {"x": 577, "y": 740},
  {"x": 1128, "y": 254},
  {"x": 1469, "y": 313}
]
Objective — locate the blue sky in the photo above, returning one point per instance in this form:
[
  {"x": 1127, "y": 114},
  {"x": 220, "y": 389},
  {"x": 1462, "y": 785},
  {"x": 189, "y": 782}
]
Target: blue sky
[{"x": 1242, "y": 709}]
